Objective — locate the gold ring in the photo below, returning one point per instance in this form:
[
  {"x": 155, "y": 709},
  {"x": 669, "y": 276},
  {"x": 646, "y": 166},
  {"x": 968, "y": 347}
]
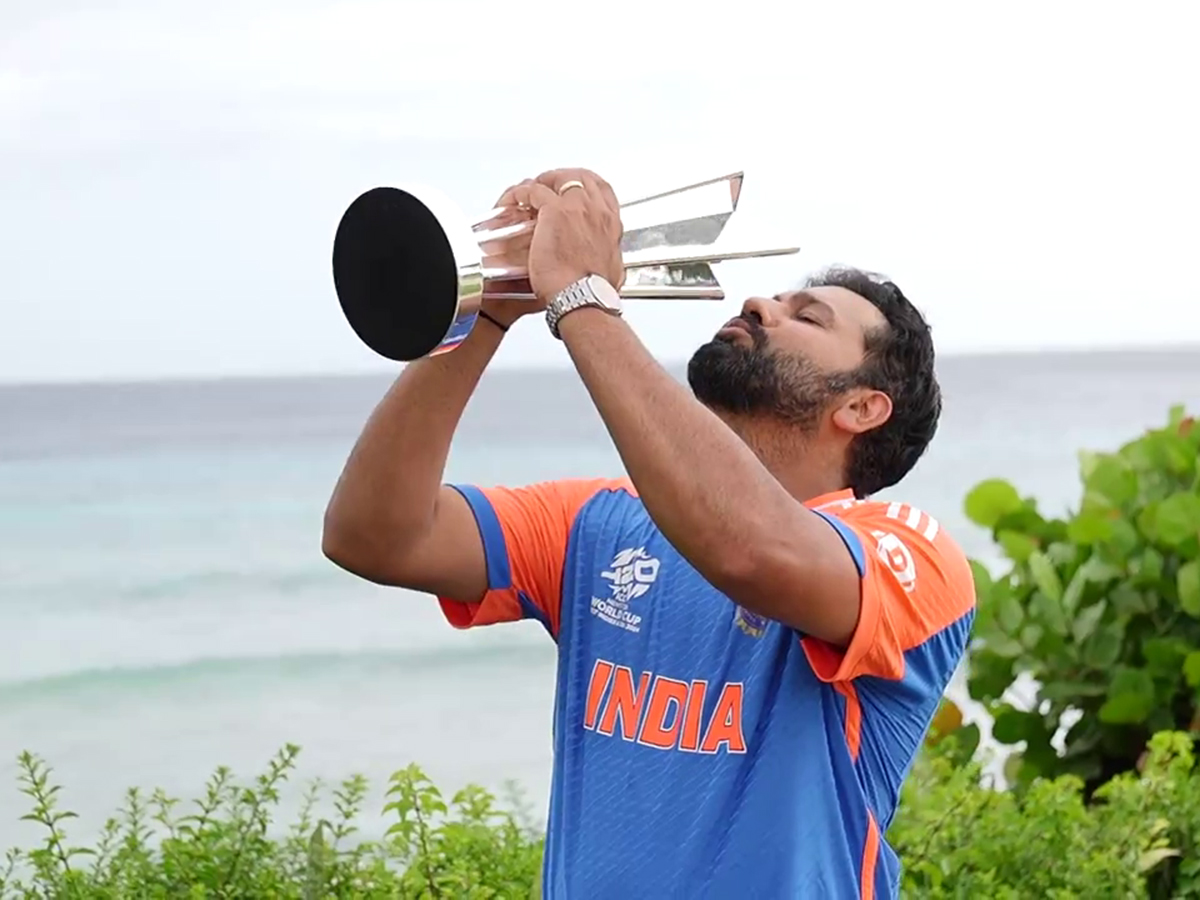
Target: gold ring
[{"x": 568, "y": 185}]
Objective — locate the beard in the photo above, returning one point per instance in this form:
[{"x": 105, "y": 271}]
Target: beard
[{"x": 728, "y": 376}]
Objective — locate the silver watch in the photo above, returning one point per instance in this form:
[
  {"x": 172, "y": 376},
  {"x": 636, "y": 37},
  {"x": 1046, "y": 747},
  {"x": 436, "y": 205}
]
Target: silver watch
[{"x": 590, "y": 291}]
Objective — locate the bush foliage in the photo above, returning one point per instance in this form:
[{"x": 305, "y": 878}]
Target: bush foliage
[
  {"x": 1100, "y": 609},
  {"x": 220, "y": 845},
  {"x": 958, "y": 838}
]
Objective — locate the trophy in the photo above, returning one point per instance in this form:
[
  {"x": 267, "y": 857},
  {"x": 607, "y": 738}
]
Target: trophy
[{"x": 411, "y": 271}]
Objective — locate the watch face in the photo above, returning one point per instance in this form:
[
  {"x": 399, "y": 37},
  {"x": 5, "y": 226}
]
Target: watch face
[{"x": 605, "y": 292}]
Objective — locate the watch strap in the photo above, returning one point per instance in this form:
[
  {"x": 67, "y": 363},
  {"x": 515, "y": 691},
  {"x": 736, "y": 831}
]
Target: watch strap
[{"x": 574, "y": 296}]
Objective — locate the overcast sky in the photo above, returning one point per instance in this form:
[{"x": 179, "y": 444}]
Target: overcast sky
[{"x": 171, "y": 174}]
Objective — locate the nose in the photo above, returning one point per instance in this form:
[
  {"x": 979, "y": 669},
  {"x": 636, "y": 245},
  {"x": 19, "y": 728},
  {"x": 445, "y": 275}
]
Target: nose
[{"x": 764, "y": 310}]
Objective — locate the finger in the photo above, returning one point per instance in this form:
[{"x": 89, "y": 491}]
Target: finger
[
  {"x": 595, "y": 190},
  {"x": 508, "y": 198},
  {"x": 535, "y": 195},
  {"x": 593, "y": 181},
  {"x": 607, "y": 192},
  {"x": 557, "y": 179}
]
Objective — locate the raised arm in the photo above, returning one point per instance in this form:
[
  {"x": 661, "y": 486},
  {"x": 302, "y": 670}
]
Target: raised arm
[
  {"x": 390, "y": 519},
  {"x": 489, "y": 554}
]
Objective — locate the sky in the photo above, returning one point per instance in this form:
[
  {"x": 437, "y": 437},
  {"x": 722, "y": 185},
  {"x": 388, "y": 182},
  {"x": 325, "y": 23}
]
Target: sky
[{"x": 171, "y": 174}]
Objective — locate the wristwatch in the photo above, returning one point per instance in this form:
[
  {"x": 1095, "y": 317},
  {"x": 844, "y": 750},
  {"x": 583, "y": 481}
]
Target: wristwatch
[{"x": 593, "y": 290}]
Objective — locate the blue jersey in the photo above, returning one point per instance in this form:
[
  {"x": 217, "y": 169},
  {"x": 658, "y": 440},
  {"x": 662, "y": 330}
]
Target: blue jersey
[{"x": 701, "y": 750}]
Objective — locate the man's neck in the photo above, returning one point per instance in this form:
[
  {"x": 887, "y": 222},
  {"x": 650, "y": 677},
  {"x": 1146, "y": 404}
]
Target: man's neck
[{"x": 806, "y": 466}]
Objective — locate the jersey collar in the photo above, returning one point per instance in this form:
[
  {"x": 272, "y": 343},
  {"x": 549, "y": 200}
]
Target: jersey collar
[{"x": 844, "y": 497}]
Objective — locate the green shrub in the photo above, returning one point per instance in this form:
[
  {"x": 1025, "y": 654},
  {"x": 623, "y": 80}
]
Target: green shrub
[
  {"x": 1101, "y": 608},
  {"x": 220, "y": 845},
  {"x": 959, "y": 838}
]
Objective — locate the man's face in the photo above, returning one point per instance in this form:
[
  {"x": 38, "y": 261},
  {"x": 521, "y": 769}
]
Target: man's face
[{"x": 789, "y": 357}]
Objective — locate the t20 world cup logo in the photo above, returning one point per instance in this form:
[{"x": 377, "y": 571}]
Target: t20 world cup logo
[{"x": 631, "y": 574}]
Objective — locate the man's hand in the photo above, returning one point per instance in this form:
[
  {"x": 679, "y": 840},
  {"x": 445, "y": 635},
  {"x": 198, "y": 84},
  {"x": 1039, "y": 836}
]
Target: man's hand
[
  {"x": 578, "y": 231},
  {"x": 511, "y": 252}
]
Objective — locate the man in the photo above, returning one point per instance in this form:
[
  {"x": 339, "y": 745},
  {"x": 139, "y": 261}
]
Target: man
[{"x": 750, "y": 651}]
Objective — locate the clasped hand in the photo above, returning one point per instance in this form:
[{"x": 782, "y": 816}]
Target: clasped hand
[{"x": 576, "y": 233}]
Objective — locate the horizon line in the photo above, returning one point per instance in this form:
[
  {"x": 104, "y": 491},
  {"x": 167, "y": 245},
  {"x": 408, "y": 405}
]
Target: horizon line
[{"x": 386, "y": 369}]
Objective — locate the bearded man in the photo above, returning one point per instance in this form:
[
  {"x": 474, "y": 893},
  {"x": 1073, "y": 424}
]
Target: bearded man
[{"x": 750, "y": 649}]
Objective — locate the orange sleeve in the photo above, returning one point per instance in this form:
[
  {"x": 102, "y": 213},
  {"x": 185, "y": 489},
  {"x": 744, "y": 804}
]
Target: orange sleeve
[
  {"x": 525, "y": 533},
  {"x": 917, "y": 592}
]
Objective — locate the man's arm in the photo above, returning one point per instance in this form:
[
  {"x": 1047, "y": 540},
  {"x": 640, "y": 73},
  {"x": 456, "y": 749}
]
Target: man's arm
[
  {"x": 390, "y": 519},
  {"x": 707, "y": 491},
  {"x": 489, "y": 554}
]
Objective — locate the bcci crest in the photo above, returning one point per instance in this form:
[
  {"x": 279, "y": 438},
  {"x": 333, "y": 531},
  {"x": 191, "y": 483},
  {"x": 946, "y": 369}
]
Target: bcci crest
[
  {"x": 630, "y": 575},
  {"x": 751, "y": 623}
]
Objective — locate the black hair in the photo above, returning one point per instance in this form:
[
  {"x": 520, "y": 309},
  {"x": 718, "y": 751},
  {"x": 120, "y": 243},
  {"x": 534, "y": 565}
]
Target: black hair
[{"x": 899, "y": 360}]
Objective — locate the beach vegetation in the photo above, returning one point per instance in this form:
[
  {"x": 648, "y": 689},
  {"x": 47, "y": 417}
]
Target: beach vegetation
[{"x": 1096, "y": 613}]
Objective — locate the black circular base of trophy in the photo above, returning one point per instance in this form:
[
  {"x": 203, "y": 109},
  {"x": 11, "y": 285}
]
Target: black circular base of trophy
[{"x": 395, "y": 274}]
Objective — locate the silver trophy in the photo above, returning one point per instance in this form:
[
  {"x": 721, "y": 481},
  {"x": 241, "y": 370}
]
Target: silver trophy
[{"x": 411, "y": 271}]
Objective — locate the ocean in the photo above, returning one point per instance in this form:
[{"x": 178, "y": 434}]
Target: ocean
[{"x": 165, "y": 607}]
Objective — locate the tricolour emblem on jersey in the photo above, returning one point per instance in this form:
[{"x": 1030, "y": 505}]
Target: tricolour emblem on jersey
[{"x": 629, "y": 576}]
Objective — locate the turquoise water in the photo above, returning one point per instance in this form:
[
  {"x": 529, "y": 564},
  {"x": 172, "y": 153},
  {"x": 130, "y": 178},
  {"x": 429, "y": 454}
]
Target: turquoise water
[{"x": 164, "y": 606}]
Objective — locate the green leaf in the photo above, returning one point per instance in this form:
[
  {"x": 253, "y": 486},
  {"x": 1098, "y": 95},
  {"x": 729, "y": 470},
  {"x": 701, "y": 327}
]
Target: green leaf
[
  {"x": 1012, "y": 768},
  {"x": 1130, "y": 697},
  {"x": 1191, "y": 668},
  {"x": 1030, "y": 635},
  {"x": 1112, "y": 481},
  {"x": 1051, "y": 614},
  {"x": 1176, "y": 415},
  {"x": 1178, "y": 519},
  {"x": 1126, "y": 600},
  {"x": 968, "y": 742},
  {"x": 1004, "y": 646},
  {"x": 1125, "y": 538},
  {"x": 1104, "y": 647},
  {"x": 983, "y": 581},
  {"x": 1091, "y": 527},
  {"x": 1017, "y": 546},
  {"x": 1099, "y": 571},
  {"x": 1070, "y": 690},
  {"x": 1188, "y": 582},
  {"x": 1009, "y": 725},
  {"x": 1045, "y": 576},
  {"x": 991, "y": 500},
  {"x": 1061, "y": 553},
  {"x": 1086, "y": 621},
  {"x": 1074, "y": 592},
  {"x": 1147, "y": 521},
  {"x": 1164, "y": 654},
  {"x": 1147, "y": 569},
  {"x": 1008, "y": 612},
  {"x": 990, "y": 674}
]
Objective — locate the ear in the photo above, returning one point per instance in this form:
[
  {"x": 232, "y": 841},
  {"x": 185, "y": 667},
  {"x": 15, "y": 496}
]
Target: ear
[{"x": 863, "y": 410}]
